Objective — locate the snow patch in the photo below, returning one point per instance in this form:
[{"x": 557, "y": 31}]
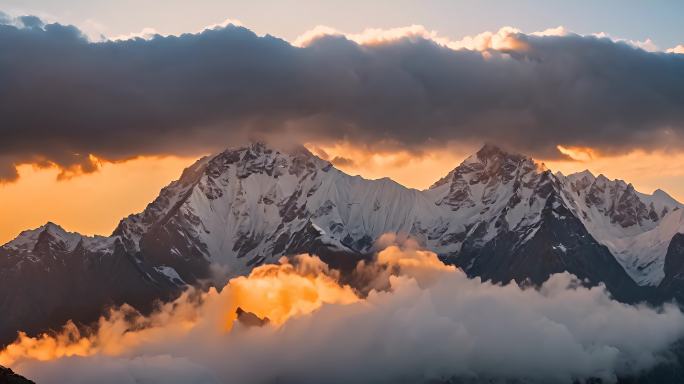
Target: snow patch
[{"x": 171, "y": 274}]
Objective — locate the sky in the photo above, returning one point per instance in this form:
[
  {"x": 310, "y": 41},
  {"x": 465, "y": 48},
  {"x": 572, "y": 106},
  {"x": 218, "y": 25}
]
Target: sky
[
  {"x": 659, "y": 20},
  {"x": 412, "y": 89}
]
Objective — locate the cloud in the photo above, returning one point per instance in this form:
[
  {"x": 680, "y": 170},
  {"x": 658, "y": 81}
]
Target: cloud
[
  {"x": 137, "y": 370},
  {"x": 499, "y": 40},
  {"x": 373, "y": 36},
  {"x": 646, "y": 45},
  {"x": 341, "y": 161},
  {"x": 677, "y": 49},
  {"x": 430, "y": 322},
  {"x": 148, "y": 33},
  {"x": 64, "y": 98}
]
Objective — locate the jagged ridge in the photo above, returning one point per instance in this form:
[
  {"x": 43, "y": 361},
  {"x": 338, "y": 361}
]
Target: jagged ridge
[{"x": 498, "y": 215}]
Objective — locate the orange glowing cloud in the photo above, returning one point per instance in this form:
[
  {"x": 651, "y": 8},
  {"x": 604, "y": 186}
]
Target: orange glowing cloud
[
  {"x": 312, "y": 311},
  {"x": 46, "y": 347},
  {"x": 122, "y": 329},
  {"x": 407, "y": 256},
  {"x": 277, "y": 292},
  {"x": 577, "y": 153}
]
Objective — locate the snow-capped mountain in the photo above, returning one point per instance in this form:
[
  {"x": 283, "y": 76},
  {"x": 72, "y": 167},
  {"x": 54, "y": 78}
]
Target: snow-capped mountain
[
  {"x": 251, "y": 205},
  {"x": 48, "y": 276},
  {"x": 636, "y": 227},
  {"x": 518, "y": 224},
  {"x": 56, "y": 238},
  {"x": 498, "y": 215},
  {"x": 493, "y": 191}
]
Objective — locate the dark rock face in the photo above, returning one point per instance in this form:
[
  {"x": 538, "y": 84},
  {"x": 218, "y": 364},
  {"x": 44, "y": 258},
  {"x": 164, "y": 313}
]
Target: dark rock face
[
  {"x": 673, "y": 283},
  {"x": 494, "y": 167},
  {"x": 169, "y": 244},
  {"x": 7, "y": 376},
  {"x": 249, "y": 319},
  {"x": 42, "y": 288},
  {"x": 517, "y": 227},
  {"x": 557, "y": 243},
  {"x": 552, "y": 240},
  {"x": 628, "y": 210},
  {"x": 620, "y": 202},
  {"x": 47, "y": 279}
]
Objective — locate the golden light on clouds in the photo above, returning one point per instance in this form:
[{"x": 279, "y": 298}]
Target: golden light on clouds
[
  {"x": 577, "y": 153},
  {"x": 277, "y": 292}
]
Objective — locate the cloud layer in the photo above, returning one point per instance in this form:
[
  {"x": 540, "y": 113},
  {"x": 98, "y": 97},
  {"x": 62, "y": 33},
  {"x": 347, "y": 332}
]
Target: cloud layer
[
  {"x": 429, "y": 322},
  {"x": 64, "y": 98}
]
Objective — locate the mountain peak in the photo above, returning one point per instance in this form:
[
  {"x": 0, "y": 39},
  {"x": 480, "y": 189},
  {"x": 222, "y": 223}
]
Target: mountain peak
[
  {"x": 51, "y": 232},
  {"x": 497, "y": 160},
  {"x": 262, "y": 147},
  {"x": 490, "y": 150},
  {"x": 53, "y": 227},
  {"x": 261, "y": 153},
  {"x": 252, "y": 147},
  {"x": 665, "y": 197},
  {"x": 583, "y": 175},
  {"x": 48, "y": 234},
  {"x": 490, "y": 161}
]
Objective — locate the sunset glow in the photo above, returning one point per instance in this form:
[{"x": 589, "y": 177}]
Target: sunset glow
[
  {"x": 91, "y": 203},
  {"x": 119, "y": 189},
  {"x": 337, "y": 192},
  {"x": 577, "y": 153},
  {"x": 273, "y": 292}
]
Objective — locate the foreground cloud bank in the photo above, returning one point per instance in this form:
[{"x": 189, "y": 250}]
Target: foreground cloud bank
[
  {"x": 424, "y": 321},
  {"x": 64, "y": 98}
]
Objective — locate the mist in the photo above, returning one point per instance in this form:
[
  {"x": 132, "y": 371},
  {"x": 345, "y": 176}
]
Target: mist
[{"x": 418, "y": 320}]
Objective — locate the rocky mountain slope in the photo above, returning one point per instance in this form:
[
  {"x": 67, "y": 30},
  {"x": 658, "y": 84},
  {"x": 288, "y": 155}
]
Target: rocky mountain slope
[
  {"x": 637, "y": 228},
  {"x": 7, "y": 376},
  {"x": 498, "y": 215},
  {"x": 48, "y": 276},
  {"x": 519, "y": 224}
]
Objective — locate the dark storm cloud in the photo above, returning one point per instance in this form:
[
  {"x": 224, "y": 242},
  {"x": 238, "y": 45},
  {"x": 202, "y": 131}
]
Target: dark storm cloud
[
  {"x": 62, "y": 97},
  {"x": 342, "y": 161}
]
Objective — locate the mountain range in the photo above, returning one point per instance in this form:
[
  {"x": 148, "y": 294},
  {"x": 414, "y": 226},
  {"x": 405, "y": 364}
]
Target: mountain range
[{"x": 499, "y": 216}]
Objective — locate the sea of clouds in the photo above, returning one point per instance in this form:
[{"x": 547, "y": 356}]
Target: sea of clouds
[{"x": 420, "y": 321}]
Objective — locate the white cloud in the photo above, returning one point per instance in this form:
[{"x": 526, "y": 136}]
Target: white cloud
[
  {"x": 431, "y": 323},
  {"x": 148, "y": 33},
  {"x": 503, "y": 39},
  {"x": 372, "y": 36},
  {"x": 647, "y": 45},
  {"x": 678, "y": 49}
]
